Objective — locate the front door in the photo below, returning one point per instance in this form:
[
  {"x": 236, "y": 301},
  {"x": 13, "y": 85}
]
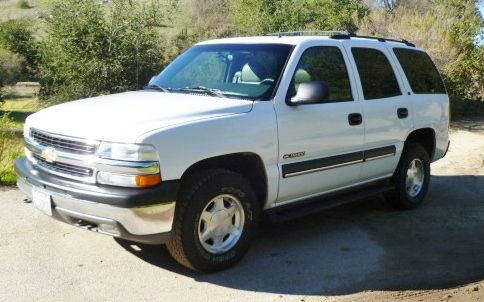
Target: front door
[{"x": 320, "y": 145}]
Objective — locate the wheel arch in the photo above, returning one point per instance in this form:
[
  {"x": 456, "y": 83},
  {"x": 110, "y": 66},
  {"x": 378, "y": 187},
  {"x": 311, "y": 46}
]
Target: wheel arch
[
  {"x": 425, "y": 137},
  {"x": 248, "y": 164}
]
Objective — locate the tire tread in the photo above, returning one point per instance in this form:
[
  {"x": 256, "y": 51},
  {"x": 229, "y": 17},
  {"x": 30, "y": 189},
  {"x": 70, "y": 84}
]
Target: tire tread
[{"x": 189, "y": 190}]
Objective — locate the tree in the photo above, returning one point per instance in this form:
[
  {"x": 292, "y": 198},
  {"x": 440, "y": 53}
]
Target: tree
[
  {"x": 92, "y": 49},
  {"x": 448, "y": 30},
  {"x": 16, "y": 36},
  {"x": 263, "y": 16}
]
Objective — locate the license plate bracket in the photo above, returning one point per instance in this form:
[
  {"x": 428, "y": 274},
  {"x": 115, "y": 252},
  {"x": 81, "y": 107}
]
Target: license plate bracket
[{"x": 42, "y": 201}]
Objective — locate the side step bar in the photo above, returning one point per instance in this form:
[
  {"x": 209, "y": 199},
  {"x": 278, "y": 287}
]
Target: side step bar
[{"x": 317, "y": 204}]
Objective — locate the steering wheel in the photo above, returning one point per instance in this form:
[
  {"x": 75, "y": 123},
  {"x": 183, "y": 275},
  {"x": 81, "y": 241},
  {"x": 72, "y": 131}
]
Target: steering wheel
[{"x": 266, "y": 81}]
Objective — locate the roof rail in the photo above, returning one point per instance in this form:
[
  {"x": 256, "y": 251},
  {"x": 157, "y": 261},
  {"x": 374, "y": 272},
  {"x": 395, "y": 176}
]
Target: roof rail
[
  {"x": 328, "y": 33},
  {"x": 352, "y": 35}
]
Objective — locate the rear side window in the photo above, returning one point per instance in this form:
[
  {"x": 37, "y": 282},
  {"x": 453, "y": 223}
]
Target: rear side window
[
  {"x": 376, "y": 74},
  {"x": 420, "y": 71}
]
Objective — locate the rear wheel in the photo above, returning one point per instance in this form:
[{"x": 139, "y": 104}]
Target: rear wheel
[
  {"x": 215, "y": 220},
  {"x": 411, "y": 179}
]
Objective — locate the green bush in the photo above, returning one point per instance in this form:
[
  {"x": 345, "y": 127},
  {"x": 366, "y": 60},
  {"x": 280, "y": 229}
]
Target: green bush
[
  {"x": 24, "y": 4},
  {"x": 11, "y": 67},
  {"x": 3, "y": 96},
  {"x": 17, "y": 37},
  {"x": 92, "y": 49},
  {"x": 265, "y": 16},
  {"x": 11, "y": 147}
]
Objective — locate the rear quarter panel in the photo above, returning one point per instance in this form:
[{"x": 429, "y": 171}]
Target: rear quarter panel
[
  {"x": 432, "y": 111},
  {"x": 426, "y": 110}
]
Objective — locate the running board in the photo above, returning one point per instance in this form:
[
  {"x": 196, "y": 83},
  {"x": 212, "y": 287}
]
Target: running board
[{"x": 317, "y": 204}]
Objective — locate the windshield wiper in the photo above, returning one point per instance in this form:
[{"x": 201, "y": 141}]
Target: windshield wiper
[
  {"x": 158, "y": 87},
  {"x": 214, "y": 92}
]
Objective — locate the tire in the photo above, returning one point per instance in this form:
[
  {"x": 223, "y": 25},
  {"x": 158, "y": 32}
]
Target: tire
[
  {"x": 203, "y": 194},
  {"x": 405, "y": 196}
]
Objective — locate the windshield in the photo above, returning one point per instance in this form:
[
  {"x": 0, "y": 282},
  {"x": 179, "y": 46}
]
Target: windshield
[{"x": 246, "y": 71}]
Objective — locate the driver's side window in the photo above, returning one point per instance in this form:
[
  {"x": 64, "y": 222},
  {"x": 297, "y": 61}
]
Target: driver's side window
[{"x": 325, "y": 64}]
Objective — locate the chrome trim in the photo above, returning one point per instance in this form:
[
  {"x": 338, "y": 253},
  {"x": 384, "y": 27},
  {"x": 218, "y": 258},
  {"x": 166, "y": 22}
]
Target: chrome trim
[
  {"x": 67, "y": 137},
  {"x": 87, "y": 179},
  {"x": 137, "y": 221},
  {"x": 63, "y": 167},
  {"x": 323, "y": 168},
  {"x": 93, "y": 162},
  {"x": 97, "y": 163},
  {"x": 380, "y": 156}
]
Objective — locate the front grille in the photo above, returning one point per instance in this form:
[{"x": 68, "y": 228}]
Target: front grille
[
  {"x": 63, "y": 168},
  {"x": 63, "y": 144}
]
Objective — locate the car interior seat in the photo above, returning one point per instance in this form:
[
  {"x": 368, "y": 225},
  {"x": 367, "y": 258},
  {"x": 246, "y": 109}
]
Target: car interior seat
[{"x": 252, "y": 73}]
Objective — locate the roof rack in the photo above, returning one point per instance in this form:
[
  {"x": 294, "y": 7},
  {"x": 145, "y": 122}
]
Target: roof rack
[
  {"x": 327, "y": 33},
  {"x": 335, "y": 34},
  {"x": 352, "y": 35}
]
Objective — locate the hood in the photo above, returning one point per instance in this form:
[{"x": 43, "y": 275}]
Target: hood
[{"x": 125, "y": 116}]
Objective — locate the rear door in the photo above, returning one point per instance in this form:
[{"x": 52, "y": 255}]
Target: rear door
[
  {"x": 386, "y": 107},
  {"x": 430, "y": 102},
  {"x": 319, "y": 149}
]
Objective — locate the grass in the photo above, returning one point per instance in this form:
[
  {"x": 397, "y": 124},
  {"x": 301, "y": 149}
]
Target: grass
[
  {"x": 15, "y": 9},
  {"x": 19, "y": 109},
  {"x": 11, "y": 142},
  {"x": 21, "y": 105},
  {"x": 12, "y": 148},
  {"x": 10, "y": 9}
]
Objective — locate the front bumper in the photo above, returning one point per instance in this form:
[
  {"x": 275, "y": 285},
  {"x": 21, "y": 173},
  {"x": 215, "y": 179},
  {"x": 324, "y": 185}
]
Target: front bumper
[{"x": 141, "y": 215}]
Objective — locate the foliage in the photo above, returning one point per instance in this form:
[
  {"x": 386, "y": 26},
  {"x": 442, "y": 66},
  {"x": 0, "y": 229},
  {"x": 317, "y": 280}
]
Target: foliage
[
  {"x": 16, "y": 36},
  {"x": 177, "y": 43},
  {"x": 24, "y": 4},
  {"x": 11, "y": 67},
  {"x": 447, "y": 29},
  {"x": 263, "y": 16},
  {"x": 10, "y": 148},
  {"x": 210, "y": 19},
  {"x": 92, "y": 50},
  {"x": 3, "y": 95}
]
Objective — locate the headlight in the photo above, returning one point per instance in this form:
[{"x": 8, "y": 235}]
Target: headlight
[
  {"x": 127, "y": 152},
  {"x": 26, "y": 131}
]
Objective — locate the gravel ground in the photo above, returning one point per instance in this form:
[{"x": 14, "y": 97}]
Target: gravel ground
[{"x": 359, "y": 252}]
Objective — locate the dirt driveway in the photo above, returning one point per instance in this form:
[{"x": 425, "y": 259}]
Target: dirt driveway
[{"x": 359, "y": 252}]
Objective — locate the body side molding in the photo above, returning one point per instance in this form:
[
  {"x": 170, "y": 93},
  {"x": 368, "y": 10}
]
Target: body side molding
[{"x": 326, "y": 163}]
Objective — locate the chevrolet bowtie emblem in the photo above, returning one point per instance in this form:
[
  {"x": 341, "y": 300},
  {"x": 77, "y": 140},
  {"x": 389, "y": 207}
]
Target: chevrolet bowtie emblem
[{"x": 49, "y": 155}]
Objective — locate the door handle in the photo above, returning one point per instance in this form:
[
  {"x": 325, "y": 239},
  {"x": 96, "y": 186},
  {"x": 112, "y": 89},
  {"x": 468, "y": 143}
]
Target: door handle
[
  {"x": 402, "y": 112},
  {"x": 355, "y": 119}
]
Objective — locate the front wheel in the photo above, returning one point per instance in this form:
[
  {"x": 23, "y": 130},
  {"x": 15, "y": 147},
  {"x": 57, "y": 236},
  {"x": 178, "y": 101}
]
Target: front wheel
[
  {"x": 215, "y": 220},
  {"x": 411, "y": 179}
]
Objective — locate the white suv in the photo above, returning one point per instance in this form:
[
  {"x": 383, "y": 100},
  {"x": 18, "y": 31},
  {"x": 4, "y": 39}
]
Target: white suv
[{"x": 285, "y": 124}]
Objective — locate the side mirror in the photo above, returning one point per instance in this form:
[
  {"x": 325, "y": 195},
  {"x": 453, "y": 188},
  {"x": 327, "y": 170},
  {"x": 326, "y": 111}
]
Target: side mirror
[{"x": 313, "y": 92}]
